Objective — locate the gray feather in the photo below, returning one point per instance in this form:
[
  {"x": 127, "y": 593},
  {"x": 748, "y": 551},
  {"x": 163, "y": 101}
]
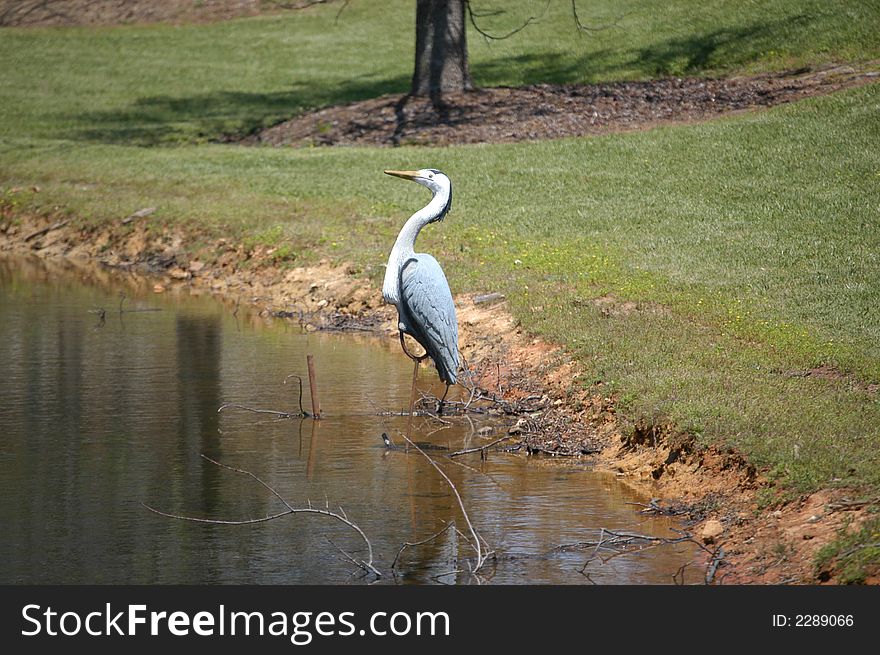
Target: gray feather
[{"x": 428, "y": 312}]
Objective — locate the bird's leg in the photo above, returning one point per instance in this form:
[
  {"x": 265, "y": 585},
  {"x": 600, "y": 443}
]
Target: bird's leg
[
  {"x": 442, "y": 402},
  {"x": 412, "y": 395},
  {"x": 407, "y": 352},
  {"x": 412, "y": 399},
  {"x": 403, "y": 345}
]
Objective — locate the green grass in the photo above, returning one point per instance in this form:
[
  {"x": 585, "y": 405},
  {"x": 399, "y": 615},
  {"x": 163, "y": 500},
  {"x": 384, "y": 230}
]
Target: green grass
[
  {"x": 854, "y": 553},
  {"x": 172, "y": 84},
  {"x": 750, "y": 246}
]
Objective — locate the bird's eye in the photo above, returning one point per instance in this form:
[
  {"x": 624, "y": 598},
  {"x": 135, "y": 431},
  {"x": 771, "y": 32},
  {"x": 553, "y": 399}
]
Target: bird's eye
[{"x": 430, "y": 176}]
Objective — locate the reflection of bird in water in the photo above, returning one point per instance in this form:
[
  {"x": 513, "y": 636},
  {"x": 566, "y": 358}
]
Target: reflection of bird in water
[{"x": 416, "y": 285}]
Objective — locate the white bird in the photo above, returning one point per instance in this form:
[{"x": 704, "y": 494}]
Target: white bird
[{"x": 416, "y": 285}]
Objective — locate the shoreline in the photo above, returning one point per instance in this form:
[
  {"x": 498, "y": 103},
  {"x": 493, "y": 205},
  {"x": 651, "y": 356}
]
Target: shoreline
[{"x": 713, "y": 490}]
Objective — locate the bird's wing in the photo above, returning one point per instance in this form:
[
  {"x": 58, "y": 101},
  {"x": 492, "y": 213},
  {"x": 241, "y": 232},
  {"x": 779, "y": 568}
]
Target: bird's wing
[{"x": 427, "y": 301}]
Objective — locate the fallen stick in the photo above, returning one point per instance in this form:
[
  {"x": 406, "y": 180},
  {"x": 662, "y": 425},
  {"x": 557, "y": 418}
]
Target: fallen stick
[
  {"x": 365, "y": 564},
  {"x": 46, "y": 230},
  {"x": 480, "y": 558},
  {"x": 140, "y": 213},
  {"x": 481, "y": 449}
]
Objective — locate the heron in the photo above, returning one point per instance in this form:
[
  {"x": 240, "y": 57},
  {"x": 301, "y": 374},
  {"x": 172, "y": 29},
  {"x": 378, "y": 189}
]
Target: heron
[{"x": 416, "y": 285}]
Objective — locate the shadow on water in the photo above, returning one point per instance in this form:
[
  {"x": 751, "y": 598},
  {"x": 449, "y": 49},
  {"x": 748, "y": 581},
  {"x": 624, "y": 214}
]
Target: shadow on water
[{"x": 198, "y": 397}]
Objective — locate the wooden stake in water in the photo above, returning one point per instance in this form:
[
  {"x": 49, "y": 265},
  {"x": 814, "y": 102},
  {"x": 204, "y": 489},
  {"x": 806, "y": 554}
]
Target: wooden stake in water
[
  {"x": 313, "y": 449},
  {"x": 313, "y": 388}
]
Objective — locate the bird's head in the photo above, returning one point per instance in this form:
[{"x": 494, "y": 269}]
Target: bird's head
[{"x": 436, "y": 181}]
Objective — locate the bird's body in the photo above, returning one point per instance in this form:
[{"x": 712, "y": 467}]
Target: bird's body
[
  {"x": 416, "y": 285},
  {"x": 428, "y": 313}
]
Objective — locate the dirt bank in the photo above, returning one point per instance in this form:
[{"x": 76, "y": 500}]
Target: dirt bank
[
  {"x": 548, "y": 111},
  {"x": 713, "y": 490}
]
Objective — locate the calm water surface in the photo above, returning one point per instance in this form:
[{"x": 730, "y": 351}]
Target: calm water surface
[{"x": 99, "y": 417}]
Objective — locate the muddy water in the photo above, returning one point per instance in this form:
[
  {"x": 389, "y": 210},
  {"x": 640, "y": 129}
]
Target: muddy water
[{"x": 99, "y": 416}]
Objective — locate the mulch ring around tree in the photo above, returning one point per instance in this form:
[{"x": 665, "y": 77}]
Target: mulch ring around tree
[{"x": 548, "y": 111}]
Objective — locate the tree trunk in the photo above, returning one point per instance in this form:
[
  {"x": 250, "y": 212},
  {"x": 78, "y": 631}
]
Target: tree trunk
[{"x": 441, "y": 48}]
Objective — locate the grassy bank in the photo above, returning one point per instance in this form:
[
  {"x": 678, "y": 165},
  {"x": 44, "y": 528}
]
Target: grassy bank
[
  {"x": 184, "y": 83},
  {"x": 737, "y": 261}
]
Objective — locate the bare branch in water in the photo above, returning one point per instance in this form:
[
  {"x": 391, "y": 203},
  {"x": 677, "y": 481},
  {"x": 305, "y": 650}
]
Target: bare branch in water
[
  {"x": 482, "y": 449},
  {"x": 411, "y": 544},
  {"x": 366, "y": 564},
  {"x": 619, "y": 543},
  {"x": 300, "y": 380},
  {"x": 476, "y": 540},
  {"x": 258, "y": 411},
  {"x": 301, "y": 414}
]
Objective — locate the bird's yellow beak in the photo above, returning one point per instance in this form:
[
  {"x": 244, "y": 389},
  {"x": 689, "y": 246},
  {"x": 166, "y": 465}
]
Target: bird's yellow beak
[{"x": 406, "y": 175}]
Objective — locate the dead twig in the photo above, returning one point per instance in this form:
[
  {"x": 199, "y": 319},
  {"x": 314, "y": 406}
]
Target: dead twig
[
  {"x": 494, "y": 37},
  {"x": 367, "y": 567},
  {"x": 300, "y": 380},
  {"x": 412, "y": 544},
  {"x": 619, "y": 543},
  {"x": 678, "y": 576},
  {"x": 195, "y": 519},
  {"x": 714, "y": 563},
  {"x": 476, "y": 539},
  {"x": 46, "y": 230},
  {"x": 716, "y": 555},
  {"x": 595, "y": 552},
  {"x": 259, "y": 411},
  {"x": 848, "y": 504},
  {"x": 481, "y": 449},
  {"x": 478, "y": 472},
  {"x": 581, "y": 27},
  {"x": 280, "y": 414},
  {"x": 102, "y": 316},
  {"x": 654, "y": 508},
  {"x": 140, "y": 213},
  {"x": 123, "y": 298},
  {"x": 437, "y": 578},
  {"x": 340, "y": 516}
]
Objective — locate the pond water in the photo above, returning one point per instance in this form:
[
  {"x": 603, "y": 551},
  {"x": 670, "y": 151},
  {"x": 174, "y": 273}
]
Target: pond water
[{"x": 102, "y": 415}]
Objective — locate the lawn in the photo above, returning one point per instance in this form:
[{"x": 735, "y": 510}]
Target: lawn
[{"x": 748, "y": 247}]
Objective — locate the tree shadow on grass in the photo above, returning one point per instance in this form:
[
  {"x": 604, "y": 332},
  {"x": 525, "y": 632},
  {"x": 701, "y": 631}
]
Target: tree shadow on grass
[
  {"x": 171, "y": 120},
  {"x": 723, "y": 48}
]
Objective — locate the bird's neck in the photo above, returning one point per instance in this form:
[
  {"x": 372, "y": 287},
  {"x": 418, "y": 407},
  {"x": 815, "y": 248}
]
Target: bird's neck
[{"x": 404, "y": 247}]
